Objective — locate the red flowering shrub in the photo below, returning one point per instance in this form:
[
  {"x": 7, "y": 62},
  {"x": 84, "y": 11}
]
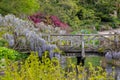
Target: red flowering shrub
[
  {"x": 52, "y": 20},
  {"x": 57, "y": 22},
  {"x": 36, "y": 18}
]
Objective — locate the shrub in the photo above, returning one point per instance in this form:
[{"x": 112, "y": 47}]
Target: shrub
[
  {"x": 18, "y": 6},
  {"x": 65, "y": 10},
  {"x": 34, "y": 69},
  {"x": 48, "y": 19},
  {"x": 3, "y": 43},
  {"x": 11, "y": 55},
  {"x": 5, "y": 52}
]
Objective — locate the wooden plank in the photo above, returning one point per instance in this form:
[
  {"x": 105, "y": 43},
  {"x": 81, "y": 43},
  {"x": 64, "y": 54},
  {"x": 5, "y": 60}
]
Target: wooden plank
[{"x": 82, "y": 34}]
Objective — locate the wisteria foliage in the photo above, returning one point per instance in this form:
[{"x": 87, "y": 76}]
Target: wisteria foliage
[
  {"x": 24, "y": 35},
  {"x": 112, "y": 55}
]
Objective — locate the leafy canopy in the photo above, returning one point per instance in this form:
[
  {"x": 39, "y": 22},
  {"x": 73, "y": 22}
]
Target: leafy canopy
[{"x": 18, "y": 6}]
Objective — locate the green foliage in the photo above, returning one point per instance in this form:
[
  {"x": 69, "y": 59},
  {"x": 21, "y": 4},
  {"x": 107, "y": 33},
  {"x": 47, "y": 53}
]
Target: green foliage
[
  {"x": 18, "y": 6},
  {"x": 34, "y": 69},
  {"x": 3, "y": 43},
  {"x": 77, "y": 13},
  {"x": 11, "y": 55},
  {"x": 102, "y": 49},
  {"x": 95, "y": 60},
  {"x": 66, "y": 10},
  {"x": 86, "y": 14},
  {"x": 115, "y": 23},
  {"x": 3, "y": 30},
  {"x": 5, "y": 52},
  {"x": 105, "y": 11}
]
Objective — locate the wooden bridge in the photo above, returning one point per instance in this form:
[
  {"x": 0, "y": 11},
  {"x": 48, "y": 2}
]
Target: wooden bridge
[{"x": 85, "y": 44}]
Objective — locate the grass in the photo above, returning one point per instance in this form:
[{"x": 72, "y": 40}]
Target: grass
[{"x": 95, "y": 60}]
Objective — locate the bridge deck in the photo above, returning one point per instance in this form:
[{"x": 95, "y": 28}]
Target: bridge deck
[{"x": 87, "y": 53}]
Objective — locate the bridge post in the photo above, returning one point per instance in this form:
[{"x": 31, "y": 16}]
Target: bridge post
[
  {"x": 81, "y": 59},
  {"x": 116, "y": 40},
  {"x": 83, "y": 46}
]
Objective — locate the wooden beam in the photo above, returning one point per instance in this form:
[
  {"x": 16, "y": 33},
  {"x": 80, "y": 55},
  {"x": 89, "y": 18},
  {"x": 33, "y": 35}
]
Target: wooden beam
[
  {"x": 83, "y": 46},
  {"x": 82, "y": 34}
]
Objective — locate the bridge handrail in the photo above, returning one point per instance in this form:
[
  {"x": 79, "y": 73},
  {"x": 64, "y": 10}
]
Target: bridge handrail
[
  {"x": 81, "y": 34},
  {"x": 111, "y": 37}
]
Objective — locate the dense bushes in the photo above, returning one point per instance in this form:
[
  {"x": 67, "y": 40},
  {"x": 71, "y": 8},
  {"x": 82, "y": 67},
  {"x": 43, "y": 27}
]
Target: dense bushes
[
  {"x": 3, "y": 43},
  {"x": 11, "y": 54},
  {"x": 18, "y": 7},
  {"x": 105, "y": 12},
  {"x": 47, "y": 19},
  {"x": 76, "y": 13},
  {"x": 5, "y": 52},
  {"x": 33, "y": 69},
  {"x": 79, "y": 14},
  {"x": 65, "y": 10}
]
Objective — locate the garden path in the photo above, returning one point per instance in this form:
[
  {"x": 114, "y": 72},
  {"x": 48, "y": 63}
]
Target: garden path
[{"x": 110, "y": 31}]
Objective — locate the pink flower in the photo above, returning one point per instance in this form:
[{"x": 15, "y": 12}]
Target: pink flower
[{"x": 37, "y": 18}]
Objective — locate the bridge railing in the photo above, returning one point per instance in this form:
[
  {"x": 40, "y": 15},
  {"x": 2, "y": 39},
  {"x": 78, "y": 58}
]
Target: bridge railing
[
  {"x": 85, "y": 42},
  {"x": 92, "y": 41}
]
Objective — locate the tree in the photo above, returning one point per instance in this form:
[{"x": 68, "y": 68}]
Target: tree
[{"x": 18, "y": 7}]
